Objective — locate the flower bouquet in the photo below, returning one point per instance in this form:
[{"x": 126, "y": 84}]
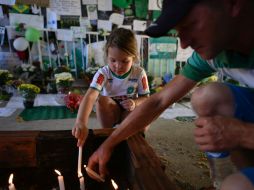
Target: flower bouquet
[
  {"x": 72, "y": 101},
  {"x": 64, "y": 81},
  {"x": 29, "y": 92},
  {"x": 5, "y": 76}
]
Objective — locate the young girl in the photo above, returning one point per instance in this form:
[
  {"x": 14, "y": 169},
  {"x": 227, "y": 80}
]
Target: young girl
[{"x": 117, "y": 88}]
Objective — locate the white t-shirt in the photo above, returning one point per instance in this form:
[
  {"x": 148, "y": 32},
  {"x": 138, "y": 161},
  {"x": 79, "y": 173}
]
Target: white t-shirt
[{"x": 131, "y": 85}]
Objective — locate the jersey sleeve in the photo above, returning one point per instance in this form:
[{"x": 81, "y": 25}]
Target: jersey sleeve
[
  {"x": 99, "y": 80},
  {"x": 197, "y": 68},
  {"x": 143, "y": 86}
]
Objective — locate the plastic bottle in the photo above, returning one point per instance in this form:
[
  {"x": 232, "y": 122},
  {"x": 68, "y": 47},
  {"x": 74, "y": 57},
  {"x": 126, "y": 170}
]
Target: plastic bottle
[{"x": 220, "y": 167}]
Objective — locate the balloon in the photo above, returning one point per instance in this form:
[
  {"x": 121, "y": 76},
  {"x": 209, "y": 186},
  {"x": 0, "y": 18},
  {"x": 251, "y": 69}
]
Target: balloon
[
  {"x": 32, "y": 35},
  {"x": 20, "y": 44}
]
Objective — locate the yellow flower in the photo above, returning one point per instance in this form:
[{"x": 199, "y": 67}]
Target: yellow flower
[{"x": 29, "y": 90}]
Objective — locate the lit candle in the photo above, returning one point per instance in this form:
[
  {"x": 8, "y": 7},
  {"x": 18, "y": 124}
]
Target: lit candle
[
  {"x": 79, "y": 159},
  {"x": 11, "y": 185},
  {"x": 81, "y": 181},
  {"x": 114, "y": 184},
  {"x": 60, "y": 180}
]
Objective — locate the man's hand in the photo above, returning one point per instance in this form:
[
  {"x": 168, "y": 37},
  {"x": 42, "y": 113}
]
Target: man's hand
[
  {"x": 80, "y": 131},
  {"x": 218, "y": 133},
  {"x": 99, "y": 160}
]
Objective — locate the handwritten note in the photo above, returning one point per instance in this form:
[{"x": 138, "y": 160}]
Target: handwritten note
[
  {"x": 116, "y": 18},
  {"x": 154, "y": 5},
  {"x": 92, "y": 12},
  {"x": 64, "y": 35},
  {"x": 66, "y": 7},
  {"x": 139, "y": 25},
  {"x": 29, "y": 20},
  {"x": 7, "y": 2},
  {"x": 125, "y": 26},
  {"x": 105, "y": 25},
  {"x": 105, "y": 5},
  {"x": 78, "y": 32},
  {"x": 89, "y": 2}
]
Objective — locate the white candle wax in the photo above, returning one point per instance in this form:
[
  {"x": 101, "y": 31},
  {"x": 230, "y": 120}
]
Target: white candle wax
[
  {"x": 82, "y": 183},
  {"x": 79, "y": 159},
  {"x": 61, "y": 182},
  {"x": 12, "y": 187}
]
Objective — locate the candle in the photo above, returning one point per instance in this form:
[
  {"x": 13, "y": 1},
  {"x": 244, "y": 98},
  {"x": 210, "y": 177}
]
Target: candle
[
  {"x": 11, "y": 185},
  {"x": 114, "y": 184},
  {"x": 94, "y": 174},
  {"x": 81, "y": 181},
  {"x": 60, "y": 180},
  {"x": 79, "y": 159}
]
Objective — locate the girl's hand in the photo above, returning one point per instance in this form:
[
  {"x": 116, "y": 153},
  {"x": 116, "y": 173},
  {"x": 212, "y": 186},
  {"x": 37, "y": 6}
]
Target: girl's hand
[
  {"x": 80, "y": 131},
  {"x": 128, "y": 104}
]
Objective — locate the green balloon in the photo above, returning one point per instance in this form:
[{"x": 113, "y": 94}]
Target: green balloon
[
  {"x": 122, "y": 3},
  {"x": 32, "y": 35}
]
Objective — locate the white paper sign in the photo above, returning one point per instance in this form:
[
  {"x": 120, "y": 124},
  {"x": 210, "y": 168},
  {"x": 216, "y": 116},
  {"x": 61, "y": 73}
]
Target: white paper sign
[
  {"x": 155, "y": 5},
  {"x": 78, "y": 32},
  {"x": 66, "y": 7},
  {"x": 1, "y": 12},
  {"x": 105, "y": 5},
  {"x": 7, "y": 2},
  {"x": 29, "y": 20},
  {"x": 139, "y": 25},
  {"x": 125, "y": 26},
  {"x": 116, "y": 18},
  {"x": 89, "y": 2},
  {"x": 64, "y": 35},
  {"x": 92, "y": 12},
  {"x": 105, "y": 25},
  {"x": 51, "y": 19}
]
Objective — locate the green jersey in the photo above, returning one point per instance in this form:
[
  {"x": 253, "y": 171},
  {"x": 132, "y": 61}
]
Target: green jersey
[{"x": 227, "y": 64}]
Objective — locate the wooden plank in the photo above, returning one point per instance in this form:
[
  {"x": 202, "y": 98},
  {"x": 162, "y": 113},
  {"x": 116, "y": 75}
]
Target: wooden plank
[
  {"x": 149, "y": 174},
  {"x": 18, "y": 149}
]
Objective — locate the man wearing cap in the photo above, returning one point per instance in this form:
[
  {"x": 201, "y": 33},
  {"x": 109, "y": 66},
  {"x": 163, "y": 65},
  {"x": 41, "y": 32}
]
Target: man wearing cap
[{"x": 222, "y": 34}]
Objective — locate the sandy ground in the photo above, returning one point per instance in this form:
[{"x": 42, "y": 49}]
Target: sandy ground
[{"x": 172, "y": 141}]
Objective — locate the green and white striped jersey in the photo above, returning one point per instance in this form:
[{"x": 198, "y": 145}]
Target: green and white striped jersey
[{"x": 227, "y": 64}]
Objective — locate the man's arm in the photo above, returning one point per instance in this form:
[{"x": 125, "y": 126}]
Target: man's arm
[{"x": 141, "y": 117}]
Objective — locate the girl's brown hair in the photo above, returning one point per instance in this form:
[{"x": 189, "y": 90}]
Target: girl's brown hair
[{"x": 125, "y": 40}]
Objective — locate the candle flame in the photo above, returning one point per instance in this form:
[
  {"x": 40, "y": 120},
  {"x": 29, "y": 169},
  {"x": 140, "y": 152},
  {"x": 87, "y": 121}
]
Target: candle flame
[
  {"x": 58, "y": 173},
  {"x": 10, "y": 179},
  {"x": 114, "y": 184},
  {"x": 80, "y": 174},
  {"x": 84, "y": 166}
]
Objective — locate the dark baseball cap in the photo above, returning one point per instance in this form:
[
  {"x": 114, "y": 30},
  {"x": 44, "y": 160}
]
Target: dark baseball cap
[{"x": 172, "y": 12}]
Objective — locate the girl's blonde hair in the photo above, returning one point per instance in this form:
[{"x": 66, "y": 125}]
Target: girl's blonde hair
[{"x": 125, "y": 40}]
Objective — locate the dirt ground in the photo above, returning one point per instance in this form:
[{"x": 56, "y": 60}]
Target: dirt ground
[{"x": 173, "y": 142}]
